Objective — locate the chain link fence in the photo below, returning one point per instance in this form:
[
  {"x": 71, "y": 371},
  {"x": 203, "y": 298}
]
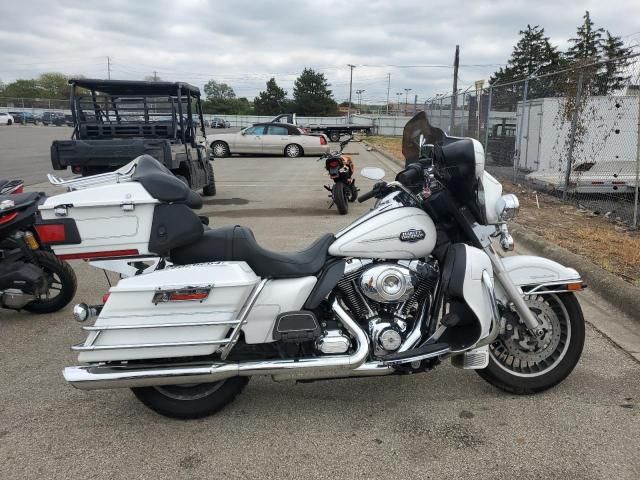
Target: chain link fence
[{"x": 574, "y": 133}]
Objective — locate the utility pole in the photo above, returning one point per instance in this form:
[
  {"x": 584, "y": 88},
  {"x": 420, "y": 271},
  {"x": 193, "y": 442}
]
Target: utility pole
[
  {"x": 109, "y": 68},
  {"x": 388, "y": 88},
  {"x": 454, "y": 96},
  {"x": 406, "y": 96},
  {"x": 415, "y": 104},
  {"x": 350, "y": 85},
  {"x": 155, "y": 76},
  {"x": 398, "y": 95}
]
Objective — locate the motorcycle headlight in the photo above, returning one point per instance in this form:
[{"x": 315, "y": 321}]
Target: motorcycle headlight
[{"x": 507, "y": 207}]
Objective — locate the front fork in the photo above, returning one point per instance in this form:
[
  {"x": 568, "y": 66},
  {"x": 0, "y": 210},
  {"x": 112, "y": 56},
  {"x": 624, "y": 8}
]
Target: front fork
[{"x": 513, "y": 293}]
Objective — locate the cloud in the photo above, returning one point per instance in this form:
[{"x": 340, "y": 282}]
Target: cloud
[{"x": 245, "y": 42}]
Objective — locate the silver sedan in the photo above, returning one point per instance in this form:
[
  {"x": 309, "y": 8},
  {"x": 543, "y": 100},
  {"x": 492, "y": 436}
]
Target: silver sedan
[{"x": 268, "y": 139}]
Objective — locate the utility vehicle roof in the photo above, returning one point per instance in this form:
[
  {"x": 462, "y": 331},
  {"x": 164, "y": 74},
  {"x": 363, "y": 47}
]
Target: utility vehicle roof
[{"x": 131, "y": 87}]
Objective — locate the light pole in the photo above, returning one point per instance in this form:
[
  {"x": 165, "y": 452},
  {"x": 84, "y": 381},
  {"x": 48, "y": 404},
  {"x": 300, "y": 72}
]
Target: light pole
[
  {"x": 406, "y": 95},
  {"x": 398, "y": 95},
  {"x": 359, "y": 93}
]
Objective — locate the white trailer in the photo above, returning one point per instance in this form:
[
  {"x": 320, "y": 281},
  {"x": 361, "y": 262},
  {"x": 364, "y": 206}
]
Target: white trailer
[{"x": 607, "y": 132}]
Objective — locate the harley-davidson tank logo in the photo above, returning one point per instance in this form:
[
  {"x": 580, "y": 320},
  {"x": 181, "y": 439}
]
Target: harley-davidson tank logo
[{"x": 412, "y": 235}]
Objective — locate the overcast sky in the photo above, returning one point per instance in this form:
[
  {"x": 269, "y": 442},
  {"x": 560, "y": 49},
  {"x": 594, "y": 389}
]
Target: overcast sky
[{"x": 244, "y": 42}]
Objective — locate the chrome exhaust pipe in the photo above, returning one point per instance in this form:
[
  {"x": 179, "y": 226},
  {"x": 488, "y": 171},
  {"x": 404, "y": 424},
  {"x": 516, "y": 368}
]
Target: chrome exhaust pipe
[
  {"x": 369, "y": 369},
  {"x": 96, "y": 377}
]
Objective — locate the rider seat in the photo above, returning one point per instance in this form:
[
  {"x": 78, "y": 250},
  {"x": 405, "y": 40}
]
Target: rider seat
[{"x": 237, "y": 243}]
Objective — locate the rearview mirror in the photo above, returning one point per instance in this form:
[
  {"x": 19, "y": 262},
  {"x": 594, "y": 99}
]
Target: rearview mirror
[{"x": 373, "y": 173}]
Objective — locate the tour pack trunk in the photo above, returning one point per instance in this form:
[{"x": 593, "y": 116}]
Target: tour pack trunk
[{"x": 112, "y": 220}]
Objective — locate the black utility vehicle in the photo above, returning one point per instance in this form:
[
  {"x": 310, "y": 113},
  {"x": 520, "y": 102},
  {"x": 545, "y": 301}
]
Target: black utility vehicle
[{"x": 115, "y": 121}]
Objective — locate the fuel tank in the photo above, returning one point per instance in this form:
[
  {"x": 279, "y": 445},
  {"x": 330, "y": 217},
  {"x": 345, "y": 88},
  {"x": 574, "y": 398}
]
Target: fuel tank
[{"x": 400, "y": 233}]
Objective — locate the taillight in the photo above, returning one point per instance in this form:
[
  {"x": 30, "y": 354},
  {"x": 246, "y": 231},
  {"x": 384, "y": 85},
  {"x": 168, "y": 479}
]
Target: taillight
[
  {"x": 51, "y": 233},
  {"x": 105, "y": 297},
  {"x": 76, "y": 169},
  {"x": 334, "y": 164},
  {"x": 323, "y": 141}
]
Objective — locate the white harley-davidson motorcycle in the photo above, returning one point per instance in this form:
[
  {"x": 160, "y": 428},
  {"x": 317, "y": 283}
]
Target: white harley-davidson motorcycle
[{"x": 409, "y": 284}]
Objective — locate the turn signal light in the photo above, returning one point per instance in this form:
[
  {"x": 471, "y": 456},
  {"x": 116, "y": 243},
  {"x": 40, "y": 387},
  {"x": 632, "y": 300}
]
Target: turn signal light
[
  {"x": 51, "y": 232},
  {"x": 575, "y": 287}
]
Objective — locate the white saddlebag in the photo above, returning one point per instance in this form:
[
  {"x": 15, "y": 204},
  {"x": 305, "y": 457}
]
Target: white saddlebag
[
  {"x": 175, "y": 312},
  {"x": 113, "y": 220}
]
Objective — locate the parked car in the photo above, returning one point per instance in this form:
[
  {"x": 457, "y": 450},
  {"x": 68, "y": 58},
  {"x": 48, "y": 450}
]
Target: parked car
[
  {"x": 220, "y": 123},
  {"x": 53, "y": 118},
  {"x": 68, "y": 120},
  {"x": 611, "y": 177},
  {"x": 6, "y": 118},
  {"x": 18, "y": 117},
  {"x": 269, "y": 138}
]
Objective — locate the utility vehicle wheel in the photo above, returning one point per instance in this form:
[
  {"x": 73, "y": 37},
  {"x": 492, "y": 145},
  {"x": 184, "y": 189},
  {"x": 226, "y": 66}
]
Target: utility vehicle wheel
[
  {"x": 293, "y": 150},
  {"x": 191, "y": 401},
  {"x": 334, "y": 136},
  {"x": 522, "y": 364},
  {"x": 220, "y": 149},
  {"x": 210, "y": 189},
  {"x": 62, "y": 284},
  {"x": 339, "y": 193}
]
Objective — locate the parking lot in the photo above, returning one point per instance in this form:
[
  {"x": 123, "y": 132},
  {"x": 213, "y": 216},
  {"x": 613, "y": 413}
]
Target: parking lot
[{"x": 445, "y": 424}]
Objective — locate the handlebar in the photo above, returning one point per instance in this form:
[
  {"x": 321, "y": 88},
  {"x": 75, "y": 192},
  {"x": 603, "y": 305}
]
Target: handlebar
[{"x": 366, "y": 196}]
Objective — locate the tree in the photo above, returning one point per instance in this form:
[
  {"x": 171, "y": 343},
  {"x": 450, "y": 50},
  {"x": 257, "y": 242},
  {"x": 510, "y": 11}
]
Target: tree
[
  {"x": 587, "y": 45},
  {"x": 272, "y": 101},
  {"x": 312, "y": 95},
  {"x": 612, "y": 76},
  {"x": 53, "y": 85},
  {"x": 531, "y": 57},
  {"x": 219, "y": 91},
  {"x": 23, "y": 89}
]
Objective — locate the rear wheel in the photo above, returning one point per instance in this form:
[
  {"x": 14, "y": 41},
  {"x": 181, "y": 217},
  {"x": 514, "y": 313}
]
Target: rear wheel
[
  {"x": 62, "y": 284},
  {"x": 522, "y": 364},
  {"x": 334, "y": 136},
  {"x": 191, "y": 401},
  {"x": 9, "y": 122},
  {"x": 293, "y": 150},
  {"x": 210, "y": 189},
  {"x": 220, "y": 149},
  {"x": 339, "y": 193}
]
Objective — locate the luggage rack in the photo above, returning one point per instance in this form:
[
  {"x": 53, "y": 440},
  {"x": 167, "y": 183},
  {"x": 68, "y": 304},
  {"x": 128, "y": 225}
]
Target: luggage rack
[{"x": 79, "y": 183}]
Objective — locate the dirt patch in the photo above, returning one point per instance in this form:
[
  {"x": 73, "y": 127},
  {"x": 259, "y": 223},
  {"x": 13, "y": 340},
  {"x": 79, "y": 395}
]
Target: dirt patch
[{"x": 611, "y": 246}]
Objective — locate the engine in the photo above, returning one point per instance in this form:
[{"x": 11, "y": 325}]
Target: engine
[{"x": 388, "y": 298}]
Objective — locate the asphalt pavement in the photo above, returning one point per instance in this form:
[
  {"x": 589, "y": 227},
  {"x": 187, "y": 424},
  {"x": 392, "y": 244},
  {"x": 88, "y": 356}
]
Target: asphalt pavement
[{"x": 445, "y": 424}]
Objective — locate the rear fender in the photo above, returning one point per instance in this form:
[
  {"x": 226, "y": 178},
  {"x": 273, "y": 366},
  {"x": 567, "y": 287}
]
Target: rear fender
[{"x": 532, "y": 271}]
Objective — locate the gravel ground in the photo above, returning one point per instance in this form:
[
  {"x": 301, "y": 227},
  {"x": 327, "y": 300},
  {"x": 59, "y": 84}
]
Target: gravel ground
[{"x": 446, "y": 424}]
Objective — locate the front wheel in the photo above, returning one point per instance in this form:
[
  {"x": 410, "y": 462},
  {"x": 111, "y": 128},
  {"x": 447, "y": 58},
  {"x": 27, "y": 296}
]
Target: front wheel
[
  {"x": 191, "y": 401},
  {"x": 61, "y": 282},
  {"x": 521, "y": 364},
  {"x": 220, "y": 149},
  {"x": 339, "y": 193}
]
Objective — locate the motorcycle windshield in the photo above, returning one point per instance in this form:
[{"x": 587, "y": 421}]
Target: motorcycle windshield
[{"x": 418, "y": 125}]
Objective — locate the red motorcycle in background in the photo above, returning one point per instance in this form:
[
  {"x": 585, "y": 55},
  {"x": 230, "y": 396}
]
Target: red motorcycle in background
[{"x": 341, "y": 169}]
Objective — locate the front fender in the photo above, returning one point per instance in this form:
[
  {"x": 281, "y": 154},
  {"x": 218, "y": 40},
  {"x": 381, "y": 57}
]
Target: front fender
[{"x": 529, "y": 270}]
